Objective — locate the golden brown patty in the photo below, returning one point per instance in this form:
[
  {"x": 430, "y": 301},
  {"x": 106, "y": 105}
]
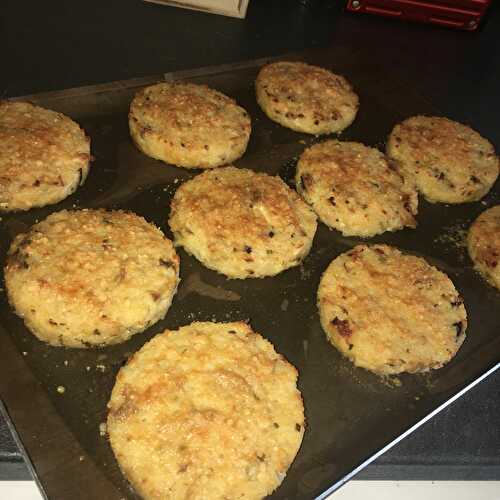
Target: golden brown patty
[
  {"x": 484, "y": 245},
  {"x": 356, "y": 189},
  {"x": 188, "y": 125},
  {"x": 306, "y": 98},
  {"x": 91, "y": 277},
  {"x": 241, "y": 223},
  {"x": 449, "y": 162},
  {"x": 389, "y": 312},
  {"x": 44, "y": 156},
  {"x": 209, "y": 411}
]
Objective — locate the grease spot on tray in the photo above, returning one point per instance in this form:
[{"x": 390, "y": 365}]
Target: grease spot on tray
[
  {"x": 314, "y": 477},
  {"x": 136, "y": 173},
  {"x": 194, "y": 284}
]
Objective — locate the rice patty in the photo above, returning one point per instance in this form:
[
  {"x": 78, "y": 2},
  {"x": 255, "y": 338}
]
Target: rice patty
[
  {"x": 44, "y": 156},
  {"x": 188, "y": 125},
  {"x": 242, "y": 223},
  {"x": 389, "y": 312},
  {"x": 483, "y": 243},
  {"x": 209, "y": 411},
  {"x": 91, "y": 277},
  {"x": 449, "y": 162},
  {"x": 306, "y": 98},
  {"x": 356, "y": 189}
]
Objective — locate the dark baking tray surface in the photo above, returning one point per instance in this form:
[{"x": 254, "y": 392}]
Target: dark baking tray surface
[{"x": 352, "y": 415}]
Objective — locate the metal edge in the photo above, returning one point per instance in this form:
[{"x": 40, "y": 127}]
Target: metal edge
[
  {"x": 224, "y": 68},
  {"x": 22, "y": 449},
  {"x": 35, "y": 457},
  {"x": 89, "y": 89},
  {"x": 402, "y": 436},
  {"x": 149, "y": 80}
]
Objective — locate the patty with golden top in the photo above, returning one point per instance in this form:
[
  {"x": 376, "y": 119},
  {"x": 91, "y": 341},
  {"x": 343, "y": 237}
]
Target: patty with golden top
[
  {"x": 91, "y": 277},
  {"x": 242, "y": 223},
  {"x": 306, "y": 98},
  {"x": 209, "y": 411},
  {"x": 188, "y": 125},
  {"x": 356, "y": 189},
  {"x": 389, "y": 312},
  {"x": 449, "y": 162},
  {"x": 44, "y": 156},
  {"x": 484, "y": 245}
]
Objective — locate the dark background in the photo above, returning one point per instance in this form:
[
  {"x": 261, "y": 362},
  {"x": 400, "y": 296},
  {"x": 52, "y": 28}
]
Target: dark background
[{"x": 53, "y": 45}]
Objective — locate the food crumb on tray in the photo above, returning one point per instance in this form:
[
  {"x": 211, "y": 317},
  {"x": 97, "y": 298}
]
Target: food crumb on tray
[{"x": 103, "y": 429}]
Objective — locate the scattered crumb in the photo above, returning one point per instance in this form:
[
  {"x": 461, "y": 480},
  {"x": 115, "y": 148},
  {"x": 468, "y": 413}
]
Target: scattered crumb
[
  {"x": 455, "y": 235},
  {"x": 25, "y": 353},
  {"x": 103, "y": 429},
  {"x": 391, "y": 381},
  {"x": 396, "y": 382},
  {"x": 61, "y": 389},
  {"x": 81, "y": 458},
  {"x": 87, "y": 368},
  {"x": 66, "y": 363},
  {"x": 176, "y": 180},
  {"x": 101, "y": 368},
  {"x": 284, "y": 305},
  {"x": 305, "y": 274},
  {"x": 301, "y": 141}
]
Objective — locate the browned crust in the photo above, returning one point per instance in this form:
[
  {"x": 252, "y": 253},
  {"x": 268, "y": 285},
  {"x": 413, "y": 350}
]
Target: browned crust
[
  {"x": 484, "y": 245},
  {"x": 389, "y": 312},
  {"x": 188, "y": 125},
  {"x": 44, "y": 156},
  {"x": 306, "y": 98},
  {"x": 242, "y": 223},
  {"x": 449, "y": 161}
]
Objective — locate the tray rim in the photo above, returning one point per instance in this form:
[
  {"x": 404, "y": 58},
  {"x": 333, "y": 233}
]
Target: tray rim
[{"x": 130, "y": 83}]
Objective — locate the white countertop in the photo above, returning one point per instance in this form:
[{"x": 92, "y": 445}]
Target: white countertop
[{"x": 354, "y": 490}]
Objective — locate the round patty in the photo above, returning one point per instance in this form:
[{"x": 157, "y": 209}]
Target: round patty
[
  {"x": 91, "y": 277},
  {"x": 356, "y": 189},
  {"x": 188, "y": 125},
  {"x": 44, "y": 156},
  {"x": 484, "y": 244},
  {"x": 306, "y": 98},
  {"x": 241, "y": 223},
  {"x": 389, "y": 312},
  {"x": 209, "y": 411},
  {"x": 450, "y": 162}
]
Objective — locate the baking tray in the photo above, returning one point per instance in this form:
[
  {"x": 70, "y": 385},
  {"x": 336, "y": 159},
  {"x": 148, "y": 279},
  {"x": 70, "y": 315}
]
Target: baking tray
[{"x": 352, "y": 415}]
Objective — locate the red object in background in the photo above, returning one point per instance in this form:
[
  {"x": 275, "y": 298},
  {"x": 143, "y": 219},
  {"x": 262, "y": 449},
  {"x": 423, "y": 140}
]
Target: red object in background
[{"x": 462, "y": 14}]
